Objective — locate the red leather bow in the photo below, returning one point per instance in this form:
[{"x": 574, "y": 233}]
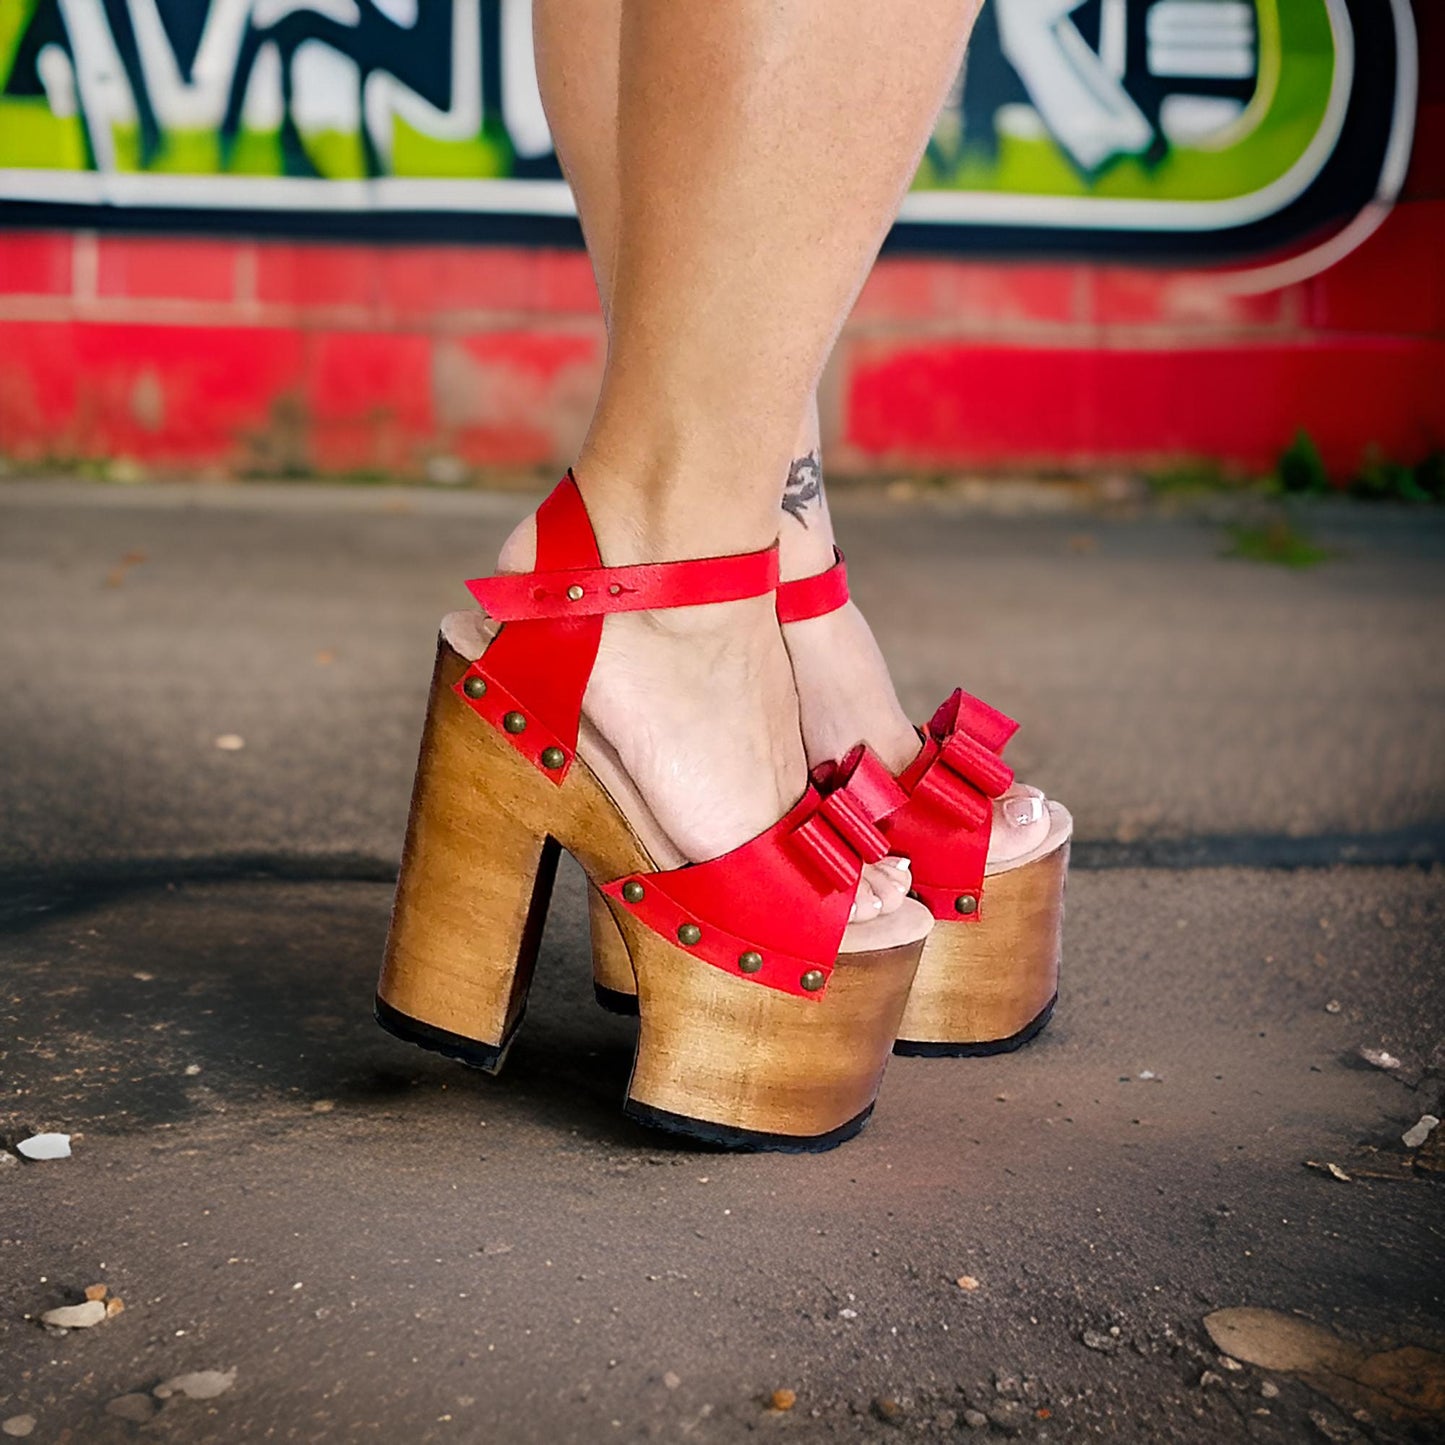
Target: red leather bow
[
  {"x": 857, "y": 793},
  {"x": 962, "y": 712},
  {"x": 968, "y": 772}
]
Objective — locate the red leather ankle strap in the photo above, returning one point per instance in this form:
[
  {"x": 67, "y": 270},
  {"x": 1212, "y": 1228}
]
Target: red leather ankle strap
[
  {"x": 595, "y": 591},
  {"x": 530, "y": 682},
  {"x": 814, "y": 596}
]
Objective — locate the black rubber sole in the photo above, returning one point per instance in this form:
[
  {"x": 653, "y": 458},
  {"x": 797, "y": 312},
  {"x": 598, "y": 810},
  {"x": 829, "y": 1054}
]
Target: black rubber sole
[
  {"x": 720, "y": 1136},
  {"x": 615, "y": 1001},
  {"x": 487, "y": 1057},
  {"x": 912, "y": 1048}
]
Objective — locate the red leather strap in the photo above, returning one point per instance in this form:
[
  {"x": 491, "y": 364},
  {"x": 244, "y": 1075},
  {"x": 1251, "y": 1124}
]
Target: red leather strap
[
  {"x": 814, "y": 596},
  {"x": 596, "y": 591},
  {"x": 530, "y": 681},
  {"x": 944, "y": 827},
  {"x": 774, "y": 910}
]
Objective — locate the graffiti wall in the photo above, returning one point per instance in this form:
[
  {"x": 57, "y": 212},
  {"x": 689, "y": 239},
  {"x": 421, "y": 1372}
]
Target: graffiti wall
[{"x": 1157, "y": 127}]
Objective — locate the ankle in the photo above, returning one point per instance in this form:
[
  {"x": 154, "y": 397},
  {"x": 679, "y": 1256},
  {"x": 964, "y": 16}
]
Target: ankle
[
  {"x": 670, "y": 504},
  {"x": 805, "y": 536},
  {"x": 845, "y": 691}
]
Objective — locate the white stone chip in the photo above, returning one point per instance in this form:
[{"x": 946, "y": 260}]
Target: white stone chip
[
  {"x": 75, "y": 1317},
  {"x": 1420, "y": 1131},
  {"x": 45, "y": 1146},
  {"x": 198, "y": 1385}
]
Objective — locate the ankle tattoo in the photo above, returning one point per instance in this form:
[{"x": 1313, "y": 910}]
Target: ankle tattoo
[{"x": 804, "y": 486}]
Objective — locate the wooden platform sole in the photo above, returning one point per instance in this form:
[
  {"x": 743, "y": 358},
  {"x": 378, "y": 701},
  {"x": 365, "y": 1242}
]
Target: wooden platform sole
[
  {"x": 981, "y": 988},
  {"x": 719, "y": 1058},
  {"x": 989, "y": 987}
]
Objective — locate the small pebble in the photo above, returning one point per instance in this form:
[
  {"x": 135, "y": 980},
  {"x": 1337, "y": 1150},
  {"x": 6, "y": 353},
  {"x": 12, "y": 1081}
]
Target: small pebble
[
  {"x": 18, "y": 1425},
  {"x": 198, "y": 1385},
  {"x": 1333, "y": 1006},
  {"x": 1419, "y": 1132},
  {"x": 1329, "y": 1429},
  {"x": 192, "y": 1070},
  {"x": 1210, "y": 1378},
  {"x": 1269, "y": 1390},
  {"x": 782, "y": 1400},
  {"x": 75, "y": 1317},
  {"x": 847, "y": 1314},
  {"x": 95, "y": 1291},
  {"x": 1379, "y": 1058},
  {"x": 975, "y": 1419},
  {"x": 230, "y": 742},
  {"x": 887, "y": 1409},
  {"x": 45, "y": 1146},
  {"x": 671, "y": 1380},
  {"x": 1104, "y": 1344},
  {"x": 138, "y": 1409},
  {"x": 114, "y": 1306},
  {"x": 967, "y": 1283},
  {"x": 1009, "y": 1416}
]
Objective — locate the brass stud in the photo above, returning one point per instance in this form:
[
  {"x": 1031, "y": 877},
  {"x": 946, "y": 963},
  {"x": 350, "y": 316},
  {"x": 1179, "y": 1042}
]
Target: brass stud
[
  {"x": 750, "y": 962},
  {"x": 689, "y": 933},
  {"x": 514, "y": 722},
  {"x": 575, "y": 593},
  {"x": 553, "y": 757},
  {"x": 615, "y": 589},
  {"x": 475, "y": 686},
  {"x": 813, "y": 980},
  {"x": 966, "y": 903},
  {"x": 633, "y": 891}
]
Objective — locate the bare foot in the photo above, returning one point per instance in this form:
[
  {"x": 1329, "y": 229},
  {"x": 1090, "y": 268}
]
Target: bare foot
[
  {"x": 845, "y": 693},
  {"x": 701, "y": 710}
]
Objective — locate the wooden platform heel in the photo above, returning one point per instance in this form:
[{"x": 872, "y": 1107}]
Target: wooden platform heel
[
  {"x": 766, "y": 1019},
  {"x": 989, "y": 976},
  {"x": 464, "y": 938}
]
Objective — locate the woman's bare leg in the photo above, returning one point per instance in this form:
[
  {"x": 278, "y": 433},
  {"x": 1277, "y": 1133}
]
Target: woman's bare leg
[
  {"x": 844, "y": 689},
  {"x": 762, "y": 150}
]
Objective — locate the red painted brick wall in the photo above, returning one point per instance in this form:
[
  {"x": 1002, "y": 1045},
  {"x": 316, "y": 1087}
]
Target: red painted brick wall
[{"x": 272, "y": 357}]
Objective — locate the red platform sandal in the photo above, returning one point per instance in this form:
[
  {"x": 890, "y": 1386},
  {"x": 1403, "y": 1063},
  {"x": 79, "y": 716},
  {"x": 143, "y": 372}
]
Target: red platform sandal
[
  {"x": 766, "y": 1020},
  {"x": 989, "y": 975}
]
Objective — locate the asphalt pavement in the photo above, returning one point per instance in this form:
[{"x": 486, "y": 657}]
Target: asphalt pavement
[{"x": 210, "y": 711}]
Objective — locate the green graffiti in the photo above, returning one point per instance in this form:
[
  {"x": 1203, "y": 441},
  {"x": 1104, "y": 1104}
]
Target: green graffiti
[{"x": 1146, "y": 115}]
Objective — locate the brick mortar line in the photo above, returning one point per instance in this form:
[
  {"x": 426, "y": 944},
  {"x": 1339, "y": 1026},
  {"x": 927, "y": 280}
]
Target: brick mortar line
[{"x": 260, "y": 315}]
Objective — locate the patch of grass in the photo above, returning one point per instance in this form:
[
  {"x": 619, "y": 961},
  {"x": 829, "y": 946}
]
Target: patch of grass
[
  {"x": 1278, "y": 543},
  {"x": 1385, "y": 480},
  {"x": 1301, "y": 468},
  {"x": 1189, "y": 475}
]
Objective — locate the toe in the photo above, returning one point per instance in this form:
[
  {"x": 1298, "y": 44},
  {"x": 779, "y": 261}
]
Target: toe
[
  {"x": 890, "y": 878},
  {"x": 1020, "y": 823},
  {"x": 867, "y": 905}
]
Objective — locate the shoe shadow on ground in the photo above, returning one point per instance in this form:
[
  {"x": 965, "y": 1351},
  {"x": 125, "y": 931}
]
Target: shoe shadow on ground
[{"x": 140, "y": 1002}]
